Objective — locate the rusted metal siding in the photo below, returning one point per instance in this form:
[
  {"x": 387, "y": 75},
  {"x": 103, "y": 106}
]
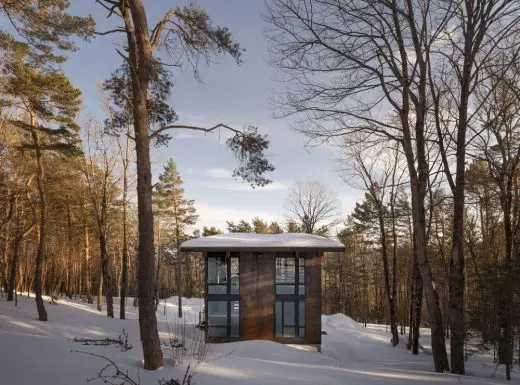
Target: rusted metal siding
[
  {"x": 313, "y": 298},
  {"x": 257, "y": 295}
]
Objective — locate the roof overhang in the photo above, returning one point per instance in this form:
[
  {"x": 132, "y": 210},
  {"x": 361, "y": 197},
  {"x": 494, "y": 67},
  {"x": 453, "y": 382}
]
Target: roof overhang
[{"x": 261, "y": 242}]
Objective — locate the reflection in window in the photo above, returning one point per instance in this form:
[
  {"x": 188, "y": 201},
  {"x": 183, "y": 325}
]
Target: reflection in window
[
  {"x": 217, "y": 313},
  {"x": 235, "y": 281},
  {"x": 285, "y": 270},
  {"x": 235, "y": 319},
  {"x": 223, "y": 288},
  {"x": 290, "y": 318},
  {"x": 217, "y": 270}
]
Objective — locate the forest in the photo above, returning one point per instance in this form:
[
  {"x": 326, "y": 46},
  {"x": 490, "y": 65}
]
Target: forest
[{"x": 419, "y": 98}]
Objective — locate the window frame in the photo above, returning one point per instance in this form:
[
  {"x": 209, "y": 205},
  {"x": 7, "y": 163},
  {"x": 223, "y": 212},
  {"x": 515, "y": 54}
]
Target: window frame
[
  {"x": 294, "y": 297},
  {"x": 227, "y": 297}
]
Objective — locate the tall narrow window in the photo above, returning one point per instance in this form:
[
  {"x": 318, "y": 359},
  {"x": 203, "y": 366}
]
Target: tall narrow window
[
  {"x": 290, "y": 296},
  {"x": 223, "y": 289}
]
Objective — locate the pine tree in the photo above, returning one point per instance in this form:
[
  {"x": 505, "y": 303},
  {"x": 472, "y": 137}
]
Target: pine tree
[
  {"x": 185, "y": 34},
  {"x": 275, "y": 228},
  {"x": 178, "y": 212},
  {"x": 242, "y": 227},
  {"x": 207, "y": 231},
  {"x": 45, "y": 27},
  {"x": 45, "y": 105},
  {"x": 260, "y": 226}
]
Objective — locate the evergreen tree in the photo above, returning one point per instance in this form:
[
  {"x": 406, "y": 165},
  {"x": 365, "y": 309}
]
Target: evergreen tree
[
  {"x": 45, "y": 27},
  {"x": 45, "y": 105},
  {"x": 185, "y": 34},
  {"x": 260, "y": 226},
  {"x": 242, "y": 227},
  {"x": 179, "y": 213},
  {"x": 274, "y": 228},
  {"x": 293, "y": 227},
  {"x": 207, "y": 231}
]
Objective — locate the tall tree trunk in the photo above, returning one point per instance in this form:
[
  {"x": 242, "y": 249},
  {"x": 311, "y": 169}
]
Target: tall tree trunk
[
  {"x": 42, "y": 313},
  {"x": 418, "y": 192},
  {"x": 5, "y": 247},
  {"x": 106, "y": 274},
  {"x": 390, "y": 295},
  {"x": 141, "y": 63},
  {"x": 14, "y": 264},
  {"x": 124, "y": 263},
  {"x": 88, "y": 275},
  {"x": 416, "y": 309},
  {"x": 69, "y": 283},
  {"x": 100, "y": 292}
]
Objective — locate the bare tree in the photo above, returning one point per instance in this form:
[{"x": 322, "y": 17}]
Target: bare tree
[
  {"x": 313, "y": 207},
  {"x": 347, "y": 64},
  {"x": 376, "y": 170},
  {"x": 464, "y": 57},
  {"x": 499, "y": 149},
  {"x": 98, "y": 167}
]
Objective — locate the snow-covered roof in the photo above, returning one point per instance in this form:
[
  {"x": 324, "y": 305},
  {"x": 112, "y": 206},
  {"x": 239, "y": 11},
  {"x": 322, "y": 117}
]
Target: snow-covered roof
[{"x": 261, "y": 242}]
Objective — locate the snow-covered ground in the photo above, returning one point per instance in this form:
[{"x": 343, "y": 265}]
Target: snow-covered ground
[{"x": 44, "y": 352}]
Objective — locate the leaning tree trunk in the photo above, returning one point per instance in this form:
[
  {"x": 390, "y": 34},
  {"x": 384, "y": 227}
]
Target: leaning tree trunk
[
  {"x": 141, "y": 64},
  {"x": 42, "y": 313}
]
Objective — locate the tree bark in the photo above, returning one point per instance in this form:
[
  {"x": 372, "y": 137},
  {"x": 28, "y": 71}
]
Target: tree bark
[
  {"x": 88, "y": 276},
  {"x": 68, "y": 285},
  {"x": 417, "y": 306},
  {"x": 14, "y": 264},
  {"x": 124, "y": 264},
  {"x": 42, "y": 313},
  {"x": 106, "y": 274},
  {"x": 390, "y": 294},
  {"x": 100, "y": 292},
  {"x": 141, "y": 63}
]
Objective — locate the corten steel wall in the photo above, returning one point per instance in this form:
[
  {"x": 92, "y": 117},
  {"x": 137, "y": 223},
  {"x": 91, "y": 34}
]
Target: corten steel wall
[
  {"x": 313, "y": 298},
  {"x": 257, "y": 295}
]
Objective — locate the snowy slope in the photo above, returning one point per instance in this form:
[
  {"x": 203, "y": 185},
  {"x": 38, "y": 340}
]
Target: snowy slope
[{"x": 43, "y": 353}]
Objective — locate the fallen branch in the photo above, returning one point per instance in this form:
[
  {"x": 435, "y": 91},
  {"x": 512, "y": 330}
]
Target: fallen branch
[{"x": 122, "y": 341}]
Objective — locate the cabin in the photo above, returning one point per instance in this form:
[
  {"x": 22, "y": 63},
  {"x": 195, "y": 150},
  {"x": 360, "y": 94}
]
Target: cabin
[{"x": 263, "y": 286}]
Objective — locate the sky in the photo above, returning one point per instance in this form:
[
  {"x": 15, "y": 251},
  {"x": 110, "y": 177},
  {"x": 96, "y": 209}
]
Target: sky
[{"x": 236, "y": 95}]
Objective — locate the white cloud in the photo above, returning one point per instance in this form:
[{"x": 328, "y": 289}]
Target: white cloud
[
  {"x": 220, "y": 173},
  {"x": 226, "y": 181},
  {"x": 232, "y": 185}
]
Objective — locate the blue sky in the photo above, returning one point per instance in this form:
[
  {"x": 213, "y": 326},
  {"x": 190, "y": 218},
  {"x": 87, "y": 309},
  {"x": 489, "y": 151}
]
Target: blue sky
[{"x": 236, "y": 95}]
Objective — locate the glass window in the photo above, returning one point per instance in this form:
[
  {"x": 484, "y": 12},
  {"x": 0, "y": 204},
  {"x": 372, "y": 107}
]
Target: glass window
[
  {"x": 301, "y": 313},
  {"x": 302, "y": 333},
  {"x": 217, "y": 270},
  {"x": 217, "y": 289},
  {"x": 301, "y": 290},
  {"x": 284, "y": 289},
  {"x": 301, "y": 267},
  {"x": 235, "y": 319},
  {"x": 217, "y": 332},
  {"x": 217, "y": 313},
  {"x": 285, "y": 270},
  {"x": 279, "y": 317},
  {"x": 289, "y": 314},
  {"x": 235, "y": 281}
]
